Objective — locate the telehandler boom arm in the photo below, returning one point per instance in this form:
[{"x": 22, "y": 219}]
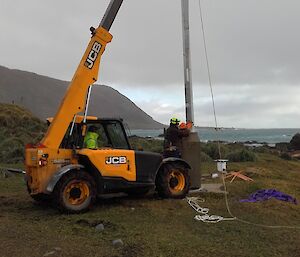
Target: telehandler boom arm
[{"x": 85, "y": 75}]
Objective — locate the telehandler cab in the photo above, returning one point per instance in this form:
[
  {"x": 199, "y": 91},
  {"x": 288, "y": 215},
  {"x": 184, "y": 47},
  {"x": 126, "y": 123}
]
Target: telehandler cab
[{"x": 63, "y": 169}]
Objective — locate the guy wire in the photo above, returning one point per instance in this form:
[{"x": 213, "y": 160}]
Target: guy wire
[{"x": 217, "y": 130}]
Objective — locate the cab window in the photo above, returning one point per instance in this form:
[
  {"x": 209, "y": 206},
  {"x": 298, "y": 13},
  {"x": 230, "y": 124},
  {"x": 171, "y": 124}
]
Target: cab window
[{"x": 117, "y": 136}]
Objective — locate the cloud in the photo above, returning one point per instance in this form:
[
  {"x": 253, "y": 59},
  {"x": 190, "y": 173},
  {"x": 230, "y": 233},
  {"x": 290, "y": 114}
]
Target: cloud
[{"x": 252, "y": 47}]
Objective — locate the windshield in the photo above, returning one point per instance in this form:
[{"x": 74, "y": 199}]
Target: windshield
[
  {"x": 116, "y": 134},
  {"x": 109, "y": 133}
]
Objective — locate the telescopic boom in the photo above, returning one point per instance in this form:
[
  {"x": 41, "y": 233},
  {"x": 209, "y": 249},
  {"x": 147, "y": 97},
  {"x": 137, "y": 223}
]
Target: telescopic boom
[{"x": 85, "y": 76}]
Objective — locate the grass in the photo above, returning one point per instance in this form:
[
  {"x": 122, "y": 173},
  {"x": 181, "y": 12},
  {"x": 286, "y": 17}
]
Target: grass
[
  {"x": 156, "y": 227},
  {"x": 148, "y": 226},
  {"x": 146, "y": 144},
  {"x": 17, "y": 128}
]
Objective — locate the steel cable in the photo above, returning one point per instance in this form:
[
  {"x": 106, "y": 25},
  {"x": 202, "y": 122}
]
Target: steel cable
[{"x": 217, "y": 129}]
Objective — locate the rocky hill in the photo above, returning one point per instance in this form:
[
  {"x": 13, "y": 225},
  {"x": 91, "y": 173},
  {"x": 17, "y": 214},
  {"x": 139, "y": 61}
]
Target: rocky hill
[{"x": 42, "y": 96}]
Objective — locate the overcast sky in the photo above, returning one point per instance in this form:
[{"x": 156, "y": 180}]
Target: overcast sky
[{"x": 253, "y": 49}]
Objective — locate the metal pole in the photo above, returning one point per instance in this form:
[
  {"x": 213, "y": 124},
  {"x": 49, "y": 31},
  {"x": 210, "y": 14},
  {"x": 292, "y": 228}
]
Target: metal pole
[
  {"x": 189, "y": 107},
  {"x": 87, "y": 103},
  {"x": 190, "y": 145}
]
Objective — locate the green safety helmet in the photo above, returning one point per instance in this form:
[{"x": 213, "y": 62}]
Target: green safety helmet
[{"x": 174, "y": 121}]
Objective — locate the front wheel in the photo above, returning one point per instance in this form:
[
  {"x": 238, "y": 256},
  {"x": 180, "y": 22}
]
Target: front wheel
[
  {"x": 173, "y": 181},
  {"x": 75, "y": 192}
]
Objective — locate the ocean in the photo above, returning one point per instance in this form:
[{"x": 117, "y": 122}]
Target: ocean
[{"x": 269, "y": 136}]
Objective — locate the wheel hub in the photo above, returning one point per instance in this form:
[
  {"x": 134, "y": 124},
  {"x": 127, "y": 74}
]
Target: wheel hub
[
  {"x": 173, "y": 182},
  {"x": 76, "y": 192},
  {"x": 176, "y": 181}
]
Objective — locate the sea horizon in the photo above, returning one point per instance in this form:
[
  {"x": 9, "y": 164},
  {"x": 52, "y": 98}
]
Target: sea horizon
[{"x": 260, "y": 135}]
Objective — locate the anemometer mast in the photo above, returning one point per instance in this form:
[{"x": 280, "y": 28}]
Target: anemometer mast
[
  {"x": 189, "y": 106},
  {"x": 190, "y": 145}
]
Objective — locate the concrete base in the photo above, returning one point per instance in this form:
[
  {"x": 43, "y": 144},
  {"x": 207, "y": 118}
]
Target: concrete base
[
  {"x": 209, "y": 188},
  {"x": 191, "y": 153}
]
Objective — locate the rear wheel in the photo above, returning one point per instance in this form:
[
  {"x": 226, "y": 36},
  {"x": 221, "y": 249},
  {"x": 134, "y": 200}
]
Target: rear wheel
[
  {"x": 75, "y": 192},
  {"x": 173, "y": 181}
]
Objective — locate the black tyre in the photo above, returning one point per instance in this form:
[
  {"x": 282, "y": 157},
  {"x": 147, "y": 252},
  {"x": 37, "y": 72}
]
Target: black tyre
[
  {"x": 75, "y": 192},
  {"x": 173, "y": 181}
]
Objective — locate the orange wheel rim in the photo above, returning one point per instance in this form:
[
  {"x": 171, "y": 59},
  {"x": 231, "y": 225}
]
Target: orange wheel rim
[
  {"x": 176, "y": 181},
  {"x": 76, "y": 192}
]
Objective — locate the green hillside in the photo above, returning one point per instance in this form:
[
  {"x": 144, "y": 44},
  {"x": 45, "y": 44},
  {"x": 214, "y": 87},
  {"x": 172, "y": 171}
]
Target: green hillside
[{"x": 17, "y": 128}]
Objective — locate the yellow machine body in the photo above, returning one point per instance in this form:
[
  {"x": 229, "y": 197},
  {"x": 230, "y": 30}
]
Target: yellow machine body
[
  {"x": 40, "y": 170},
  {"x": 103, "y": 160},
  {"x": 62, "y": 167},
  {"x": 45, "y": 159}
]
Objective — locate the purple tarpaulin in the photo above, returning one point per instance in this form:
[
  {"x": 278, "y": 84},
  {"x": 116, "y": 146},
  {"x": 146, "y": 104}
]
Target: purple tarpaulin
[{"x": 266, "y": 194}]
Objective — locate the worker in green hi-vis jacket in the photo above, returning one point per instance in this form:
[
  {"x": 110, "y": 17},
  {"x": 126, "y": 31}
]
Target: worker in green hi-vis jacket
[{"x": 91, "y": 137}]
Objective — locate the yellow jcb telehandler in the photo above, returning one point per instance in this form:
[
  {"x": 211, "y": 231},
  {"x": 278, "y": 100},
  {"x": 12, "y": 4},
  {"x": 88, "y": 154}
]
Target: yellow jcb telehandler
[{"x": 61, "y": 168}]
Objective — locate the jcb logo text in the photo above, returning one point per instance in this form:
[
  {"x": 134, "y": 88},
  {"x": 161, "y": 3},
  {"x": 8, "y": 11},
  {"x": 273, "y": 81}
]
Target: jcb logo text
[
  {"x": 90, "y": 60},
  {"x": 116, "y": 160}
]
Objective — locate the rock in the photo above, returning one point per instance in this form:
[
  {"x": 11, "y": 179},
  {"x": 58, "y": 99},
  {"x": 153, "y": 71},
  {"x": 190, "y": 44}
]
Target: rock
[
  {"x": 117, "y": 242},
  {"x": 214, "y": 175},
  {"x": 49, "y": 253},
  {"x": 83, "y": 222},
  {"x": 99, "y": 227},
  {"x": 58, "y": 249},
  {"x": 5, "y": 173}
]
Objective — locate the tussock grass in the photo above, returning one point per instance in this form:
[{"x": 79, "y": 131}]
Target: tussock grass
[
  {"x": 17, "y": 128},
  {"x": 152, "y": 226},
  {"x": 148, "y": 226},
  {"x": 146, "y": 144}
]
